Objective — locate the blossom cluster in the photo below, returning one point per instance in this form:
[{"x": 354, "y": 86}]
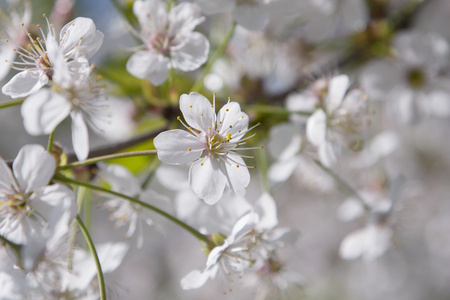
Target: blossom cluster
[{"x": 293, "y": 139}]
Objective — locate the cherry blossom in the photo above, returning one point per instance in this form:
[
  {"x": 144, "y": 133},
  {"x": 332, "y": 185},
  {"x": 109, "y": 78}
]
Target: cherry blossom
[
  {"x": 211, "y": 145},
  {"x": 169, "y": 40}
]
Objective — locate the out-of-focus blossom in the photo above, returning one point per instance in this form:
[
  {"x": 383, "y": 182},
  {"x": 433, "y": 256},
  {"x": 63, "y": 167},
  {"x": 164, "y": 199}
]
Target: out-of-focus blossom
[
  {"x": 252, "y": 239},
  {"x": 337, "y": 116},
  {"x": 211, "y": 145},
  {"x": 12, "y": 36},
  {"x": 77, "y": 94},
  {"x": 292, "y": 157},
  {"x": 124, "y": 212},
  {"x": 411, "y": 81},
  {"x": 251, "y": 14},
  {"x": 28, "y": 203},
  {"x": 169, "y": 40},
  {"x": 47, "y": 57}
]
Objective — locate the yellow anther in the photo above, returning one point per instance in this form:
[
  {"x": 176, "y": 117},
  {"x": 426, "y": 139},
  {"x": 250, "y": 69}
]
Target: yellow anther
[
  {"x": 178, "y": 118},
  {"x": 189, "y": 149},
  {"x": 190, "y": 128},
  {"x": 237, "y": 166},
  {"x": 212, "y": 106},
  {"x": 6, "y": 40},
  {"x": 190, "y": 106},
  {"x": 227, "y": 109},
  {"x": 201, "y": 115},
  {"x": 209, "y": 127},
  {"x": 22, "y": 24},
  {"x": 229, "y": 136},
  {"x": 214, "y": 94},
  {"x": 229, "y": 98},
  {"x": 201, "y": 164},
  {"x": 44, "y": 15},
  {"x": 231, "y": 126}
]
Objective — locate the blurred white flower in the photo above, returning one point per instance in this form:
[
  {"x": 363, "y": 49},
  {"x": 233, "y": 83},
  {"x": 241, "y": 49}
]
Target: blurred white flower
[
  {"x": 169, "y": 40},
  {"x": 79, "y": 95},
  {"x": 47, "y": 57},
  {"x": 13, "y": 36},
  {"x": 412, "y": 80},
  {"x": 27, "y": 203},
  {"x": 252, "y": 240},
  {"x": 211, "y": 145},
  {"x": 124, "y": 212},
  {"x": 291, "y": 155},
  {"x": 337, "y": 116}
]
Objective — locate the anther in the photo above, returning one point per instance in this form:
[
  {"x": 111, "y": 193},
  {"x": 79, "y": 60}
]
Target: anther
[
  {"x": 227, "y": 109},
  {"x": 201, "y": 164},
  {"x": 189, "y": 149},
  {"x": 201, "y": 115},
  {"x": 190, "y": 106},
  {"x": 178, "y": 118}
]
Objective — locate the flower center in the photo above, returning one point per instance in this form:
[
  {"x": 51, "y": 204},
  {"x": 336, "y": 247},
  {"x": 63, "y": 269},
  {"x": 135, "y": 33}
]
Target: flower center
[{"x": 160, "y": 42}]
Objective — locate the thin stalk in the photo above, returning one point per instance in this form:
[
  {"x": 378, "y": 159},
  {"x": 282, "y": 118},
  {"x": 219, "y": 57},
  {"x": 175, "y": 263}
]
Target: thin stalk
[
  {"x": 106, "y": 157},
  {"x": 185, "y": 226},
  {"x": 50, "y": 141},
  {"x": 101, "y": 280},
  {"x": 344, "y": 186},
  {"x": 11, "y": 103},
  {"x": 199, "y": 83}
]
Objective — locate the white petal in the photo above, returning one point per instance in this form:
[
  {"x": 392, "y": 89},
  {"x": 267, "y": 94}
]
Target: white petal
[
  {"x": 281, "y": 170},
  {"x": 120, "y": 179},
  {"x": 195, "y": 279},
  {"x": 336, "y": 91},
  {"x": 238, "y": 176},
  {"x": 54, "y": 200},
  {"x": 206, "y": 180},
  {"x": 25, "y": 83},
  {"x": 61, "y": 73},
  {"x": 183, "y": 18},
  {"x": 197, "y": 111},
  {"x": 252, "y": 16},
  {"x": 193, "y": 54},
  {"x": 231, "y": 119},
  {"x": 43, "y": 111},
  {"x": 350, "y": 210},
  {"x": 147, "y": 65},
  {"x": 168, "y": 174},
  {"x": 267, "y": 211},
  {"x": 80, "y": 37},
  {"x": 33, "y": 167},
  {"x": 111, "y": 255},
  {"x": 407, "y": 105},
  {"x": 173, "y": 146},
  {"x": 80, "y": 136},
  {"x": 327, "y": 154},
  {"x": 379, "y": 77},
  {"x": 316, "y": 127},
  {"x": 152, "y": 15},
  {"x": 7, "y": 55},
  {"x": 284, "y": 141},
  {"x": 7, "y": 181}
]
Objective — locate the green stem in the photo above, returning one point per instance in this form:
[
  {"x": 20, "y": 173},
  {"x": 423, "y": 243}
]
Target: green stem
[
  {"x": 101, "y": 280},
  {"x": 106, "y": 157},
  {"x": 344, "y": 186},
  {"x": 185, "y": 226},
  {"x": 50, "y": 141},
  {"x": 11, "y": 103},
  {"x": 199, "y": 83}
]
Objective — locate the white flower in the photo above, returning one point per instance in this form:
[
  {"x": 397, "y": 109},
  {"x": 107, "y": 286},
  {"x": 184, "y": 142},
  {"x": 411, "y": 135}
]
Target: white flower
[
  {"x": 27, "y": 202},
  {"x": 252, "y": 240},
  {"x": 251, "y": 14},
  {"x": 79, "y": 95},
  {"x": 211, "y": 144},
  {"x": 124, "y": 212},
  {"x": 412, "y": 82},
  {"x": 169, "y": 40},
  {"x": 337, "y": 117},
  {"x": 14, "y": 36},
  {"x": 289, "y": 149},
  {"x": 46, "y": 57}
]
